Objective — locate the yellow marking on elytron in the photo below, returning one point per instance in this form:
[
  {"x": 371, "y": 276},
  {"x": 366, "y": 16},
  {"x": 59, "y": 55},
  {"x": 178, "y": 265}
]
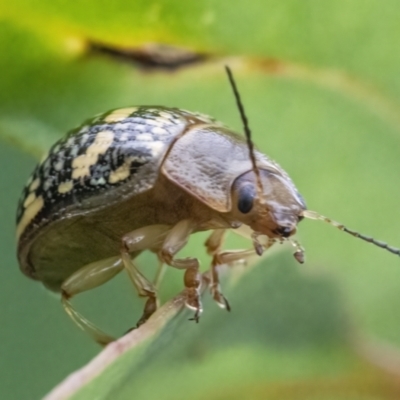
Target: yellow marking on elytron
[
  {"x": 155, "y": 147},
  {"x": 157, "y": 130},
  {"x": 34, "y": 185},
  {"x": 29, "y": 214},
  {"x": 81, "y": 164},
  {"x": 121, "y": 173},
  {"x": 29, "y": 199},
  {"x": 165, "y": 115},
  {"x": 119, "y": 115},
  {"x": 155, "y": 122},
  {"x": 65, "y": 187},
  {"x": 146, "y": 137},
  {"x": 163, "y": 121}
]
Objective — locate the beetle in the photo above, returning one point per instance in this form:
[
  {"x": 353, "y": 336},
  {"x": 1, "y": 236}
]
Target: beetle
[{"x": 146, "y": 178}]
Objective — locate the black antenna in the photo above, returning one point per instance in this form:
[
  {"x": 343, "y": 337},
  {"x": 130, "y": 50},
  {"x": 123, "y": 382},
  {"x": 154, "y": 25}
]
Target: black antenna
[
  {"x": 246, "y": 129},
  {"x": 314, "y": 215}
]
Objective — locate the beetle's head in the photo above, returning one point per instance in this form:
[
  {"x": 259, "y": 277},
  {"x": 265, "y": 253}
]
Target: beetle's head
[
  {"x": 273, "y": 209},
  {"x": 268, "y": 202}
]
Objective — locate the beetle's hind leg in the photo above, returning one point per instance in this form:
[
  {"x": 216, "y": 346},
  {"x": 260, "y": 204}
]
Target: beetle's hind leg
[{"x": 86, "y": 278}]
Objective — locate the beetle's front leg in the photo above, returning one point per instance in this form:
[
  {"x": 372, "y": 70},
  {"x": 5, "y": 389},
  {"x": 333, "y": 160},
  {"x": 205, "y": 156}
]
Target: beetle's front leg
[
  {"x": 213, "y": 245},
  {"x": 220, "y": 259},
  {"x": 192, "y": 281},
  {"x": 176, "y": 239}
]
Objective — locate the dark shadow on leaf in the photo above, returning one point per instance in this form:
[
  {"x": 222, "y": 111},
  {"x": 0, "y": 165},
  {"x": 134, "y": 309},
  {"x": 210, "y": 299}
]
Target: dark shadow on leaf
[{"x": 150, "y": 57}]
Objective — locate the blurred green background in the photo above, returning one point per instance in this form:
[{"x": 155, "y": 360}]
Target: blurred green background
[{"x": 321, "y": 85}]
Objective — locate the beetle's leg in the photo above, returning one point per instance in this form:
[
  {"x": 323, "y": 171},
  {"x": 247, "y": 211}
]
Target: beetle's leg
[
  {"x": 149, "y": 237},
  {"x": 192, "y": 281},
  {"x": 176, "y": 239},
  {"x": 86, "y": 278},
  {"x": 220, "y": 259},
  {"x": 144, "y": 238},
  {"x": 143, "y": 287},
  {"x": 161, "y": 269},
  {"x": 213, "y": 245},
  {"x": 214, "y": 242}
]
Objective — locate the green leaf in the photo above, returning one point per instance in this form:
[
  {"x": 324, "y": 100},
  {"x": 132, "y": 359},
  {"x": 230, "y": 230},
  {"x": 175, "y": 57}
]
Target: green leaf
[
  {"x": 321, "y": 88},
  {"x": 290, "y": 339}
]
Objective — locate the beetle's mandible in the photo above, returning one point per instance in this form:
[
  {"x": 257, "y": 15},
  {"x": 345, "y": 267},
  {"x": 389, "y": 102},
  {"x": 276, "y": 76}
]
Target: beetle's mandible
[{"x": 146, "y": 178}]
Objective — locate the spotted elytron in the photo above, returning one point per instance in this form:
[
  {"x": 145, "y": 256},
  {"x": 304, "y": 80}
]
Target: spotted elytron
[{"x": 146, "y": 178}]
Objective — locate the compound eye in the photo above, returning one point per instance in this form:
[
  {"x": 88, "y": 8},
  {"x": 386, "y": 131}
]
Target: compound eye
[{"x": 246, "y": 198}]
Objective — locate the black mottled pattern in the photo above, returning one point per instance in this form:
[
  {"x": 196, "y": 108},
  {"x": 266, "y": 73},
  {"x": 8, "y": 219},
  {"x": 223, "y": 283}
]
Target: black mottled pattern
[{"x": 56, "y": 168}]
